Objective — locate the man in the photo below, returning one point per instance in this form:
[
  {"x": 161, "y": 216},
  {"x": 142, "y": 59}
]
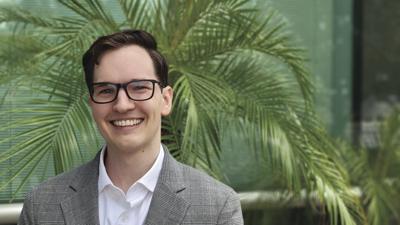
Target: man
[{"x": 133, "y": 179}]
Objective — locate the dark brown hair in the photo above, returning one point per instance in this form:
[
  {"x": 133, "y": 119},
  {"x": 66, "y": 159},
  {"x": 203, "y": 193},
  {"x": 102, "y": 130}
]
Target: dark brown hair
[{"x": 118, "y": 40}]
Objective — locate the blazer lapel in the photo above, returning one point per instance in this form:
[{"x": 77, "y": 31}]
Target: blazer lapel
[
  {"x": 167, "y": 207},
  {"x": 82, "y": 207}
]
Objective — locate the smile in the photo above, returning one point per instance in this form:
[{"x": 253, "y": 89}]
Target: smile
[{"x": 125, "y": 123}]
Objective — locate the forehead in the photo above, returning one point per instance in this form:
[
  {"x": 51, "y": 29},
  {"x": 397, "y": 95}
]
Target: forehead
[{"x": 124, "y": 64}]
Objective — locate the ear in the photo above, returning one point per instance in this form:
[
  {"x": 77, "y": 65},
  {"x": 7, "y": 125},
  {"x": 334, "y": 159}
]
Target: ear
[{"x": 167, "y": 94}]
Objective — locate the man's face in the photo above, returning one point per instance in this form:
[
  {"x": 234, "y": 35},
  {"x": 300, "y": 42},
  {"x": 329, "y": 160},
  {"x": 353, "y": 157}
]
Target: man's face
[{"x": 125, "y": 124}]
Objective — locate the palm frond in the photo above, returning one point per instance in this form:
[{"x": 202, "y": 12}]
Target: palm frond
[
  {"x": 224, "y": 32},
  {"x": 23, "y": 16},
  {"x": 138, "y": 13},
  {"x": 91, "y": 10},
  {"x": 61, "y": 127},
  {"x": 229, "y": 69}
]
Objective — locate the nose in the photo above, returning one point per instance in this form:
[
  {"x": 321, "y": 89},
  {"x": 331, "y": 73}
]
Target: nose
[{"x": 123, "y": 104}]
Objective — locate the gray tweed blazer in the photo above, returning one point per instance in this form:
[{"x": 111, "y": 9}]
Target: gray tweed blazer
[{"x": 182, "y": 195}]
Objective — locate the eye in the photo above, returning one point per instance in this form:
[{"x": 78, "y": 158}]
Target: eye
[
  {"x": 140, "y": 86},
  {"x": 104, "y": 90}
]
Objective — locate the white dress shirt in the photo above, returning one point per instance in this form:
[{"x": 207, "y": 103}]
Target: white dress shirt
[{"x": 118, "y": 208}]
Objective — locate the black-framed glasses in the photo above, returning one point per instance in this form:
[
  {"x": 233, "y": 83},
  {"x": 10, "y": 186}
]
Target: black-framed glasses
[{"x": 138, "y": 90}]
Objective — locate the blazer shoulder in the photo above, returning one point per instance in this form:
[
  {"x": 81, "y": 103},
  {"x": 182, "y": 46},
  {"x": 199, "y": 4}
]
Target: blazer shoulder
[
  {"x": 59, "y": 186},
  {"x": 201, "y": 182},
  {"x": 211, "y": 201}
]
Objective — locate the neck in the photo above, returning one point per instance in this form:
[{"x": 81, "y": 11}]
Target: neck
[{"x": 126, "y": 167}]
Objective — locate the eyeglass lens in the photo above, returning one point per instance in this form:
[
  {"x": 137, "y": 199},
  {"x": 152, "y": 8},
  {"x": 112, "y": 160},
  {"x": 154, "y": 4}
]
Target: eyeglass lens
[{"x": 136, "y": 90}]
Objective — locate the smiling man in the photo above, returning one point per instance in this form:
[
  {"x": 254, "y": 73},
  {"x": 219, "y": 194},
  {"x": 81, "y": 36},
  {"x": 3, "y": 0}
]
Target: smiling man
[{"x": 133, "y": 179}]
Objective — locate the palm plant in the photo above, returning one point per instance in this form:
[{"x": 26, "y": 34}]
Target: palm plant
[
  {"x": 231, "y": 72},
  {"x": 375, "y": 171}
]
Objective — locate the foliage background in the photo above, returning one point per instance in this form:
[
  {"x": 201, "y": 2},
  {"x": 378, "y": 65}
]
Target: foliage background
[{"x": 221, "y": 134}]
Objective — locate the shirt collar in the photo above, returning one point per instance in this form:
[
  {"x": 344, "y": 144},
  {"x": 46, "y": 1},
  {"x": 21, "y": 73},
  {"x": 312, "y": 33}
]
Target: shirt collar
[
  {"x": 148, "y": 180},
  {"x": 104, "y": 179}
]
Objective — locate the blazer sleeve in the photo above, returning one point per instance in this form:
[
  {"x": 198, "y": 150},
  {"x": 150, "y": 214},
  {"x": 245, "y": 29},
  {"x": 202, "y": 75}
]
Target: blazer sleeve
[
  {"x": 26, "y": 216},
  {"x": 231, "y": 213}
]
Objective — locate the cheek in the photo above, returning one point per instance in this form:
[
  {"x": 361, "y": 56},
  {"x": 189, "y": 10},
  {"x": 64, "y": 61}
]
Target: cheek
[
  {"x": 98, "y": 113},
  {"x": 153, "y": 111}
]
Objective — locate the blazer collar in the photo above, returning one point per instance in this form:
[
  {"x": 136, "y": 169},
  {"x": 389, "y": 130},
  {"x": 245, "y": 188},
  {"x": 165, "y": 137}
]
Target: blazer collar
[
  {"x": 167, "y": 205},
  {"x": 82, "y": 205}
]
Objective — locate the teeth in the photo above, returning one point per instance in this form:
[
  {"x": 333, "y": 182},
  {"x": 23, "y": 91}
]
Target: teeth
[{"x": 124, "y": 123}]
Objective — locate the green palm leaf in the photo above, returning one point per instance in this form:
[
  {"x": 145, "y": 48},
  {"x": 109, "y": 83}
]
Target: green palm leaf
[
  {"x": 230, "y": 71},
  {"x": 376, "y": 172}
]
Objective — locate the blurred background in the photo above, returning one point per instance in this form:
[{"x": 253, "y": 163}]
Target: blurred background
[{"x": 346, "y": 52}]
